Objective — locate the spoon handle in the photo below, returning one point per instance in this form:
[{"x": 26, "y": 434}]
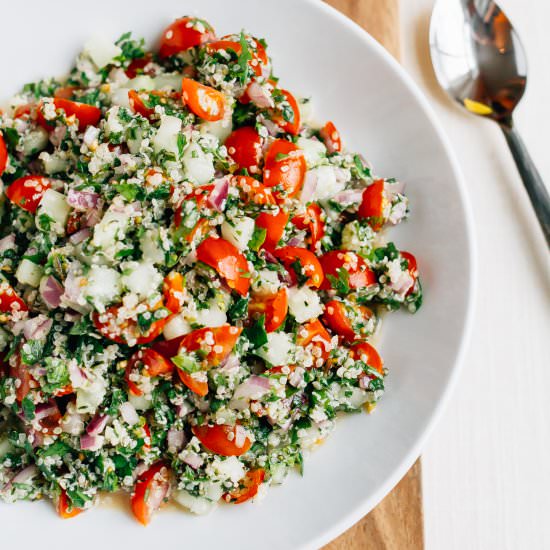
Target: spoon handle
[{"x": 531, "y": 179}]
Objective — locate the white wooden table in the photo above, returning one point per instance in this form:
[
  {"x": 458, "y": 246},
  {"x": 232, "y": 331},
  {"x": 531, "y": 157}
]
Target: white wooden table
[{"x": 487, "y": 465}]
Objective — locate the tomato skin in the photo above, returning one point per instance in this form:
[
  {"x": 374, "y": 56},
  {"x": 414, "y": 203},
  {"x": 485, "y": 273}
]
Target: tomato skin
[
  {"x": 200, "y": 387},
  {"x": 10, "y": 302},
  {"x": 215, "y": 439},
  {"x": 137, "y": 65},
  {"x": 151, "y": 484},
  {"x": 138, "y": 106},
  {"x": 183, "y": 34},
  {"x": 3, "y": 154},
  {"x": 252, "y": 190},
  {"x": 367, "y": 353},
  {"x": 87, "y": 115},
  {"x": 64, "y": 509},
  {"x": 310, "y": 265},
  {"x": 360, "y": 275},
  {"x": 331, "y": 138},
  {"x": 23, "y": 111},
  {"x": 224, "y": 338},
  {"x": 274, "y": 224},
  {"x": 372, "y": 205},
  {"x": 173, "y": 291},
  {"x": 289, "y": 127},
  {"x": 20, "y": 372},
  {"x": 200, "y": 195},
  {"x": 274, "y": 307},
  {"x": 285, "y": 166},
  {"x": 228, "y": 261},
  {"x": 315, "y": 332},
  {"x": 251, "y": 483},
  {"x": 413, "y": 268},
  {"x": 244, "y": 147},
  {"x": 259, "y": 55},
  {"x": 127, "y": 330},
  {"x": 205, "y": 102},
  {"x": 312, "y": 220},
  {"x": 27, "y": 192},
  {"x": 337, "y": 318}
]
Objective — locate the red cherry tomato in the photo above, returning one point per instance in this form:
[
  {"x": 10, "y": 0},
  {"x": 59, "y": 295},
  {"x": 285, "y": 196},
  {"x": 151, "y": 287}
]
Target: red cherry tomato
[
  {"x": 3, "y": 155},
  {"x": 222, "y": 439},
  {"x": 228, "y": 261},
  {"x": 20, "y": 372},
  {"x": 150, "y": 491},
  {"x": 65, "y": 92},
  {"x": 307, "y": 263},
  {"x": 74, "y": 222},
  {"x": 205, "y": 102},
  {"x": 292, "y": 126},
  {"x": 150, "y": 363},
  {"x": 64, "y": 508},
  {"x": 137, "y": 65},
  {"x": 413, "y": 268},
  {"x": 49, "y": 423},
  {"x": 87, "y": 115},
  {"x": 373, "y": 204},
  {"x": 337, "y": 262},
  {"x": 232, "y": 43},
  {"x": 173, "y": 291},
  {"x": 27, "y": 192},
  {"x": 331, "y": 138},
  {"x": 316, "y": 334},
  {"x": 10, "y": 302},
  {"x": 183, "y": 34},
  {"x": 273, "y": 306},
  {"x": 216, "y": 343},
  {"x": 200, "y": 195},
  {"x": 274, "y": 224},
  {"x": 200, "y": 387},
  {"x": 252, "y": 190},
  {"x": 23, "y": 111},
  {"x": 312, "y": 221},
  {"x": 363, "y": 351},
  {"x": 244, "y": 147},
  {"x": 341, "y": 320},
  {"x": 248, "y": 487},
  {"x": 285, "y": 167},
  {"x": 126, "y": 330},
  {"x": 138, "y": 106}
]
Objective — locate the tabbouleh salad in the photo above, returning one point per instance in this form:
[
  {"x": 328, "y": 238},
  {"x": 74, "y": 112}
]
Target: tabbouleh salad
[{"x": 190, "y": 273}]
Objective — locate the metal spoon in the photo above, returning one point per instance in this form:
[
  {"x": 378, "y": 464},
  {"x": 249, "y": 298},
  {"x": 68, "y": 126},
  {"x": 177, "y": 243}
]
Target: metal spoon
[{"x": 480, "y": 62}]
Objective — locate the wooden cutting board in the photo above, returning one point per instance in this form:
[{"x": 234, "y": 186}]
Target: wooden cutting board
[{"x": 397, "y": 522}]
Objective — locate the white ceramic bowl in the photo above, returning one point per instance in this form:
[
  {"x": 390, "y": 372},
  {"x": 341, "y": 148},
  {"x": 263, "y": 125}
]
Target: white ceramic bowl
[{"x": 317, "y": 52}]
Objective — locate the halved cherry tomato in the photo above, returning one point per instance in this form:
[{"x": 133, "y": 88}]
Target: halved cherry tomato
[
  {"x": 232, "y": 43},
  {"x": 173, "y": 291},
  {"x": 147, "y": 439},
  {"x": 223, "y": 439},
  {"x": 67, "y": 390},
  {"x": 10, "y": 302},
  {"x": 204, "y": 101},
  {"x": 64, "y": 508},
  {"x": 3, "y": 155},
  {"x": 127, "y": 330},
  {"x": 150, "y": 491},
  {"x": 49, "y": 423},
  {"x": 138, "y": 106},
  {"x": 373, "y": 204},
  {"x": 316, "y": 334},
  {"x": 65, "y": 92},
  {"x": 367, "y": 353},
  {"x": 285, "y": 167},
  {"x": 289, "y": 126},
  {"x": 293, "y": 257},
  {"x": 244, "y": 147},
  {"x": 154, "y": 364},
  {"x": 412, "y": 267},
  {"x": 228, "y": 261},
  {"x": 137, "y": 65},
  {"x": 23, "y": 111},
  {"x": 312, "y": 221},
  {"x": 248, "y": 487},
  {"x": 336, "y": 263},
  {"x": 74, "y": 222},
  {"x": 200, "y": 387},
  {"x": 274, "y": 224},
  {"x": 183, "y": 34},
  {"x": 273, "y": 306},
  {"x": 215, "y": 342},
  {"x": 87, "y": 115},
  {"x": 20, "y": 372},
  {"x": 27, "y": 192},
  {"x": 252, "y": 190},
  {"x": 331, "y": 138},
  {"x": 341, "y": 320},
  {"x": 200, "y": 195}
]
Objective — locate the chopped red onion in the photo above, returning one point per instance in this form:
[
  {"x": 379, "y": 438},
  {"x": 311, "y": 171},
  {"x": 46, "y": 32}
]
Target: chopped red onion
[
  {"x": 22, "y": 476},
  {"x": 349, "y": 196},
  {"x": 193, "y": 460},
  {"x": 253, "y": 388},
  {"x": 97, "y": 424},
  {"x": 259, "y": 96},
  {"x": 51, "y": 291},
  {"x": 80, "y": 236},
  {"x": 295, "y": 241},
  {"x": 37, "y": 327},
  {"x": 231, "y": 362},
  {"x": 91, "y": 442},
  {"x": 364, "y": 382},
  {"x": 7, "y": 243},
  {"x": 43, "y": 410},
  {"x": 219, "y": 194},
  {"x": 129, "y": 413},
  {"x": 93, "y": 215},
  {"x": 57, "y": 136},
  {"x": 392, "y": 188},
  {"x": 82, "y": 200},
  {"x": 175, "y": 439},
  {"x": 269, "y": 258},
  {"x": 310, "y": 186},
  {"x": 72, "y": 424},
  {"x": 77, "y": 375}
]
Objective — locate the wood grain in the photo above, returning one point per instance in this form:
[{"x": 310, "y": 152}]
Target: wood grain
[{"x": 397, "y": 522}]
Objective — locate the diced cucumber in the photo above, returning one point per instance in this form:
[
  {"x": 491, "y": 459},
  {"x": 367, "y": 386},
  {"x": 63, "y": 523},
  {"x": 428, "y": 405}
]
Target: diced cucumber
[
  {"x": 278, "y": 348},
  {"x": 166, "y": 138},
  {"x": 141, "y": 278},
  {"x": 168, "y": 81},
  {"x": 29, "y": 273},
  {"x": 314, "y": 151},
  {"x": 304, "y": 304},
  {"x": 197, "y": 505},
  {"x": 101, "y": 51},
  {"x": 239, "y": 232},
  {"x": 54, "y": 205},
  {"x": 103, "y": 286},
  {"x": 199, "y": 166},
  {"x": 176, "y": 326},
  {"x": 35, "y": 141}
]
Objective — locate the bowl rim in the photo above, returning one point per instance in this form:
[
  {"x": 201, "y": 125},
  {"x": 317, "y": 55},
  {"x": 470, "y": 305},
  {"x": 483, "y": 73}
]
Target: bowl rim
[{"x": 342, "y": 525}]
